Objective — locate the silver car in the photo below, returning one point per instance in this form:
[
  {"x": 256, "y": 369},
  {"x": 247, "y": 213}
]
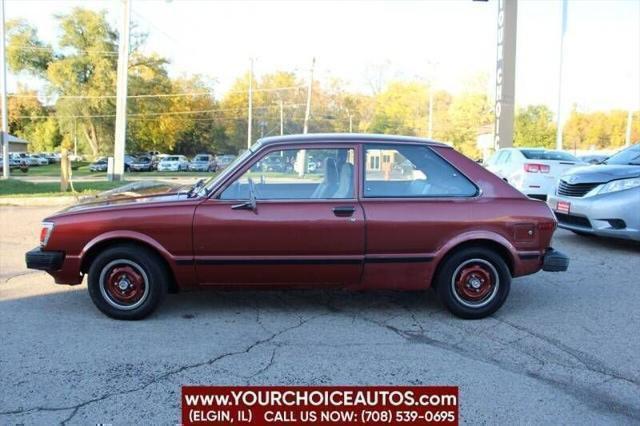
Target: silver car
[{"x": 601, "y": 200}]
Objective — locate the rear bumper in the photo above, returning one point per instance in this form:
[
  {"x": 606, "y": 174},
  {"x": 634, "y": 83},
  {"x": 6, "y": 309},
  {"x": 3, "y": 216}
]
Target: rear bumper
[
  {"x": 555, "y": 261},
  {"x": 44, "y": 260}
]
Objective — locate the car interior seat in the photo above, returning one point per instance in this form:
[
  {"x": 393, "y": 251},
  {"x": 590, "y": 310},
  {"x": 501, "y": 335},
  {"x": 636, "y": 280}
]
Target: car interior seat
[
  {"x": 329, "y": 183},
  {"x": 345, "y": 185}
]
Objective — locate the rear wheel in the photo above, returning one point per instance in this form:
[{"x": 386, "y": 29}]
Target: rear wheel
[
  {"x": 127, "y": 282},
  {"x": 473, "y": 283}
]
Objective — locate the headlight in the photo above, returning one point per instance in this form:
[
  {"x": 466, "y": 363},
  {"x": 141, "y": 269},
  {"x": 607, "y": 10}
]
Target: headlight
[
  {"x": 620, "y": 185},
  {"x": 45, "y": 233}
]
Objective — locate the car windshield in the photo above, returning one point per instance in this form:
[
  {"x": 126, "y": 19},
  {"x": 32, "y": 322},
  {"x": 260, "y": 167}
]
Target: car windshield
[
  {"x": 542, "y": 154},
  {"x": 201, "y": 158},
  {"x": 628, "y": 156},
  {"x": 171, "y": 159},
  {"x": 209, "y": 184},
  {"x": 144, "y": 160}
]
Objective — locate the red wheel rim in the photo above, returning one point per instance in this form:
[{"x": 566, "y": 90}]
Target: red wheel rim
[
  {"x": 124, "y": 284},
  {"x": 474, "y": 281}
]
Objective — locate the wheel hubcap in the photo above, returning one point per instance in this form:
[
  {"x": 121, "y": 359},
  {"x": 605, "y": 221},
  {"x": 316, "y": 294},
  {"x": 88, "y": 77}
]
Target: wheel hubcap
[
  {"x": 475, "y": 282},
  {"x": 123, "y": 284}
]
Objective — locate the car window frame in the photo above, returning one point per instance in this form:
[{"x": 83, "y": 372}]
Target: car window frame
[
  {"x": 268, "y": 149},
  {"x": 362, "y": 177}
]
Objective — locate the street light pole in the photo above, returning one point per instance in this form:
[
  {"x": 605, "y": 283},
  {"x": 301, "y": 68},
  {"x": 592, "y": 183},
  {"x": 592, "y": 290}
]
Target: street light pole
[
  {"x": 3, "y": 88},
  {"x": 121, "y": 95}
]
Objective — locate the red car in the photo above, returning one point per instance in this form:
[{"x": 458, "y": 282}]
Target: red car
[{"x": 373, "y": 212}]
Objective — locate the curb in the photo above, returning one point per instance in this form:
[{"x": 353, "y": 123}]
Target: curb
[{"x": 37, "y": 201}]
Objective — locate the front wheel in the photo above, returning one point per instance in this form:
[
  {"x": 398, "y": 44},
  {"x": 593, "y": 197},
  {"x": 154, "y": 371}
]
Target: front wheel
[
  {"x": 127, "y": 282},
  {"x": 473, "y": 283}
]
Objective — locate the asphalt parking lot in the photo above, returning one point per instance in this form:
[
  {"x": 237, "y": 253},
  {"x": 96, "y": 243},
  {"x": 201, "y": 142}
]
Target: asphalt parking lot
[{"x": 563, "y": 349}]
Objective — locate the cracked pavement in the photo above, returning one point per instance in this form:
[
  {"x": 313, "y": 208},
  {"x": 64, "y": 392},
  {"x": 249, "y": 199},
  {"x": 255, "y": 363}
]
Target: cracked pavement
[{"x": 563, "y": 349}]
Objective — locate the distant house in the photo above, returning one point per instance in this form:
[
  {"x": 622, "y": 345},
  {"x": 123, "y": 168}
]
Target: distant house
[{"x": 16, "y": 144}]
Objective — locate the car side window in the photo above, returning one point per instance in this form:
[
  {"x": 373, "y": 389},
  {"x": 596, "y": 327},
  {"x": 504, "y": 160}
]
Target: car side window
[
  {"x": 297, "y": 174},
  {"x": 411, "y": 171}
]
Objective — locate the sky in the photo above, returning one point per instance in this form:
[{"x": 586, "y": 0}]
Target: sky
[{"x": 447, "y": 41}]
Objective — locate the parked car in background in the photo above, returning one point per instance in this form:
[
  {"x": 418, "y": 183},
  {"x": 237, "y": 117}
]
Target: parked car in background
[
  {"x": 25, "y": 158},
  {"x": 593, "y": 158},
  {"x": 533, "y": 171},
  {"x": 203, "y": 163},
  {"x": 39, "y": 159},
  {"x": 173, "y": 163},
  {"x": 602, "y": 200},
  {"x": 100, "y": 165},
  {"x": 74, "y": 157},
  {"x": 52, "y": 158},
  {"x": 224, "y": 160},
  {"x": 277, "y": 165},
  {"x": 450, "y": 225},
  {"x": 141, "y": 164},
  {"x": 14, "y": 163}
]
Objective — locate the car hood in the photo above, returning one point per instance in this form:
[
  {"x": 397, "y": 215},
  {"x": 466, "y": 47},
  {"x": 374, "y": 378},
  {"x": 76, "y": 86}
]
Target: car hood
[
  {"x": 133, "y": 193},
  {"x": 600, "y": 173}
]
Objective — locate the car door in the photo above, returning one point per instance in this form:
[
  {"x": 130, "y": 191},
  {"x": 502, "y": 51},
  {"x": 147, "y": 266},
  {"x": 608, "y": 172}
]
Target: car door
[
  {"x": 306, "y": 228},
  {"x": 410, "y": 215}
]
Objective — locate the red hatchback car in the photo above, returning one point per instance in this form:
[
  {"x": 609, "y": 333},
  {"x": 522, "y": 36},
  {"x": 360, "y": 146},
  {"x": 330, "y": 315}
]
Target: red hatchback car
[{"x": 340, "y": 210}]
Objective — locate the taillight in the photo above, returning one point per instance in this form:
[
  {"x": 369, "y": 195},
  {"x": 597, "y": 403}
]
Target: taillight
[
  {"x": 547, "y": 226},
  {"x": 536, "y": 168},
  {"x": 45, "y": 233}
]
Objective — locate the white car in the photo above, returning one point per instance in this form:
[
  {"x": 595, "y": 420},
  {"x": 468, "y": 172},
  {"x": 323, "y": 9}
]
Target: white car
[
  {"x": 173, "y": 163},
  {"x": 40, "y": 159},
  {"x": 25, "y": 158},
  {"x": 533, "y": 171}
]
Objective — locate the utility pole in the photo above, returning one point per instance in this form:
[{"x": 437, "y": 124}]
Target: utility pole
[
  {"x": 430, "y": 111},
  {"x": 250, "y": 113},
  {"x": 563, "y": 30},
  {"x": 308, "y": 110},
  {"x": 3, "y": 88},
  {"x": 431, "y": 78},
  {"x": 121, "y": 95},
  {"x": 627, "y": 138},
  {"x": 75, "y": 137},
  {"x": 281, "y": 118}
]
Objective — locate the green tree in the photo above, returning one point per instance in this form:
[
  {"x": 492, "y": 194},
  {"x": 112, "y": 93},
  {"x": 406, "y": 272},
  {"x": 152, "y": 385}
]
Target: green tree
[
  {"x": 534, "y": 127},
  {"x": 81, "y": 74}
]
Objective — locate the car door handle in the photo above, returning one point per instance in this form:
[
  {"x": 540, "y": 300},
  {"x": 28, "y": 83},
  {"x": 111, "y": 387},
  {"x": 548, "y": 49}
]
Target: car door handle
[{"x": 344, "y": 211}]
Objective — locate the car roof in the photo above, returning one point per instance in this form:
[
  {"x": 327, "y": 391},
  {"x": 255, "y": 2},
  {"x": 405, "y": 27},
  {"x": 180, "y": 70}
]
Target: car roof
[{"x": 346, "y": 137}]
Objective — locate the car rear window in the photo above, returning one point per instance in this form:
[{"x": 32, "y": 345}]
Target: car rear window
[{"x": 540, "y": 154}]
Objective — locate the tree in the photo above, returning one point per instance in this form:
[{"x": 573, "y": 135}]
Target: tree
[
  {"x": 81, "y": 73},
  {"x": 401, "y": 109},
  {"x": 534, "y": 127}
]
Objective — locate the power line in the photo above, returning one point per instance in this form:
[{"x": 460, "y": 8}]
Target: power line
[
  {"x": 144, "y": 114},
  {"x": 93, "y": 51},
  {"x": 158, "y": 95}
]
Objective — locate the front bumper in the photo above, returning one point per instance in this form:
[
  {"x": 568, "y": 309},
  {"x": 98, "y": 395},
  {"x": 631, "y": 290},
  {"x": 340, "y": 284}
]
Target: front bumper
[
  {"x": 612, "y": 215},
  {"x": 44, "y": 260},
  {"x": 555, "y": 261}
]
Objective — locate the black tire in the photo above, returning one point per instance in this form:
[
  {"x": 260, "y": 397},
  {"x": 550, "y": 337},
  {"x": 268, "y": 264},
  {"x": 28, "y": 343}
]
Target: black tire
[
  {"x": 131, "y": 265},
  {"x": 463, "y": 270}
]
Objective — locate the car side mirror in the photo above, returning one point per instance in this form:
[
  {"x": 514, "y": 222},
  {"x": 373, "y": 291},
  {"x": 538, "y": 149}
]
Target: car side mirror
[{"x": 251, "y": 204}]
